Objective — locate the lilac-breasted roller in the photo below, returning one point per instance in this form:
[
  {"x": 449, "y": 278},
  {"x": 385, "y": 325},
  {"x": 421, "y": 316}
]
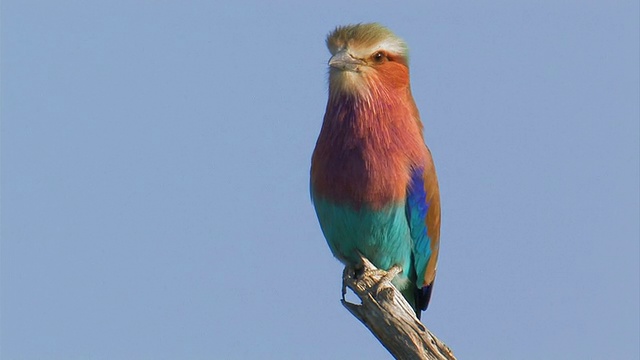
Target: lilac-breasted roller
[{"x": 373, "y": 181}]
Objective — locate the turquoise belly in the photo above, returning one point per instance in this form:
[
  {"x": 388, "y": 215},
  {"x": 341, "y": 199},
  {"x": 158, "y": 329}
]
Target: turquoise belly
[{"x": 382, "y": 236}]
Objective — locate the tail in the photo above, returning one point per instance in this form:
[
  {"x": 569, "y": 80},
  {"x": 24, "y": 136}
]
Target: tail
[{"x": 422, "y": 299}]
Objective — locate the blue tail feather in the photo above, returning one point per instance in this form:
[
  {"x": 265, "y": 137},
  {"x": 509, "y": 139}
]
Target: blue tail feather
[{"x": 422, "y": 298}]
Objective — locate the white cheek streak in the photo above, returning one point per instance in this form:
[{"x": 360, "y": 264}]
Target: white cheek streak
[{"x": 393, "y": 46}]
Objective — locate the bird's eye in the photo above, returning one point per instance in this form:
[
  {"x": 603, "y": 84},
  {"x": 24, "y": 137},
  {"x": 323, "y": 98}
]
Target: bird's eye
[{"x": 378, "y": 57}]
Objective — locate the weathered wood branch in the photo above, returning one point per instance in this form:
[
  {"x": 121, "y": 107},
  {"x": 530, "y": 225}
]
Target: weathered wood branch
[{"x": 386, "y": 313}]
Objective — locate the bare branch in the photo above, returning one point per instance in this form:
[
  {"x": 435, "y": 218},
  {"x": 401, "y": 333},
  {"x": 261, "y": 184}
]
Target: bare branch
[{"x": 386, "y": 313}]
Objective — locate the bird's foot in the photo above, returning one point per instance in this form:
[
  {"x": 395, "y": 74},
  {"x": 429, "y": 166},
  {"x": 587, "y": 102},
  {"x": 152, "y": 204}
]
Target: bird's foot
[
  {"x": 349, "y": 275},
  {"x": 368, "y": 274},
  {"x": 386, "y": 277},
  {"x": 395, "y": 270}
]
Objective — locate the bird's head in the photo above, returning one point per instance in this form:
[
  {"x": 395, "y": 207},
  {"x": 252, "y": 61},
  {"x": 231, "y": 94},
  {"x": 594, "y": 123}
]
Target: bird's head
[{"x": 366, "y": 58}]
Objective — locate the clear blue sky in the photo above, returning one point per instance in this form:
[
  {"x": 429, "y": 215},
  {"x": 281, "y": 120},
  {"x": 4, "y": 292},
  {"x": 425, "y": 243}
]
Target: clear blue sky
[{"x": 155, "y": 158}]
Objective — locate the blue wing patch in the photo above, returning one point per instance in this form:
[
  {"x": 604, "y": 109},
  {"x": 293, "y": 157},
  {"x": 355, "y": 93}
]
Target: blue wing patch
[{"x": 416, "y": 210}]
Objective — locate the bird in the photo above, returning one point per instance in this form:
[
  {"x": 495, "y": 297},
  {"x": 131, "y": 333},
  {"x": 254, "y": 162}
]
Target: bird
[{"x": 373, "y": 181}]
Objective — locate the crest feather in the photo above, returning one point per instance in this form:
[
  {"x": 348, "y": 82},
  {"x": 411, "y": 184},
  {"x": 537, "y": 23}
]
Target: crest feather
[{"x": 367, "y": 38}]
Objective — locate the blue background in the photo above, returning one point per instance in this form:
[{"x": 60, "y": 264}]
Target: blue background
[{"x": 155, "y": 159}]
